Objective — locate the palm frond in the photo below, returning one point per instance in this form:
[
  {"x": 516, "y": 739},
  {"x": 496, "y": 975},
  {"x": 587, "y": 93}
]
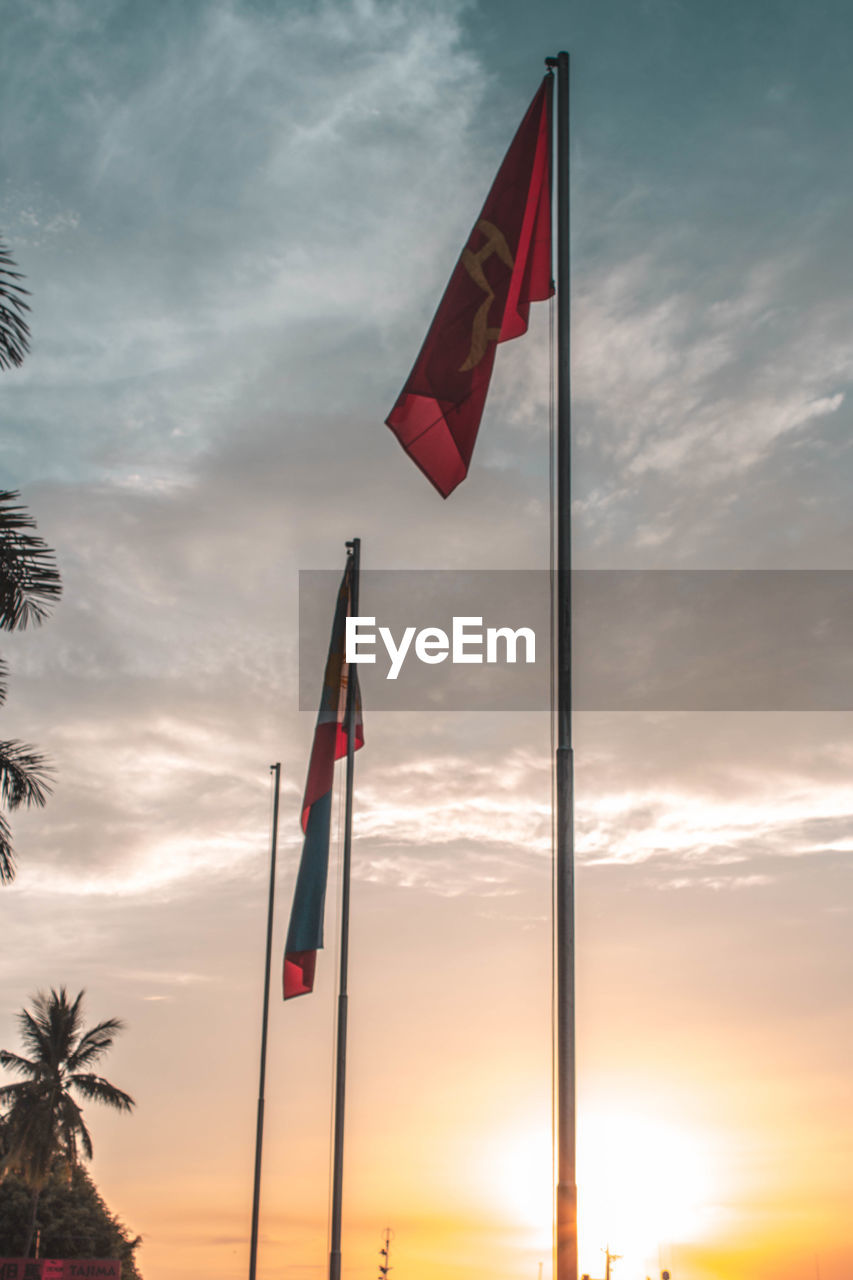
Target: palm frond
[
  {"x": 14, "y": 330},
  {"x": 94, "y": 1043},
  {"x": 96, "y": 1089},
  {"x": 85, "y": 1138},
  {"x": 25, "y": 775},
  {"x": 14, "y": 1062},
  {"x": 51, "y": 1028},
  {"x": 29, "y": 579},
  {"x": 72, "y": 1127},
  {"x": 35, "y": 1036},
  {"x": 10, "y": 1092},
  {"x": 7, "y": 853},
  {"x": 54, "y": 1005},
  {"x": 60, "y": 1018}
]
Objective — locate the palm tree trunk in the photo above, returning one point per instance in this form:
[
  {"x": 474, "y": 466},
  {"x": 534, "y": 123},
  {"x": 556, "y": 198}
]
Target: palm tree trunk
[{"x": 31, "y": 1230}]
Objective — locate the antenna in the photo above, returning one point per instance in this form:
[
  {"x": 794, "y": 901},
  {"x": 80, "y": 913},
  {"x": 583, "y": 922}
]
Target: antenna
[
  {"x": 610, "y": 1258},
  {"x": 385, "y": 1255}
]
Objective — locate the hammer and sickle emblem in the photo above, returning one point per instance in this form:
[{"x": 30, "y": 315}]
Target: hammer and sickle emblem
[{"x": 481, "y": 333}]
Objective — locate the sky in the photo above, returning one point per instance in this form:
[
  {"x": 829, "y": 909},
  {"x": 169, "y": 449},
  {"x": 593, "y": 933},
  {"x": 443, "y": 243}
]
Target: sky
[{"x": 236, "y": 220}]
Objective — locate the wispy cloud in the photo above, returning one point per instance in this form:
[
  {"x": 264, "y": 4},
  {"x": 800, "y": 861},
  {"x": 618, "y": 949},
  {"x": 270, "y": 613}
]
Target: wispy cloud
[{"x": 681, "y": 396}]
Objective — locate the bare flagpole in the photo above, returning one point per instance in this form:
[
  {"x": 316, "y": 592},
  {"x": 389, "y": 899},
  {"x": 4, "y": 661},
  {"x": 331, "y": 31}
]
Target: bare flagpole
[
  {"x": 567, "y": 1194},
  {"x": 354, "y": 550},
  {"x": 259, "y": 1136}
]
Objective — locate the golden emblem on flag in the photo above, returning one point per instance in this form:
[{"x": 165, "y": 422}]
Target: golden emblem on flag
[{"x": 481, "y": 332}]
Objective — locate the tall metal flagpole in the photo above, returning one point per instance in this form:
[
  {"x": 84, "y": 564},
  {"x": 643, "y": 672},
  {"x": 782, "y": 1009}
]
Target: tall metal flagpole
[
  {"x": 354, "y": 549},
  {"x": 567, "y": 1194},
  {"x": 259, "y": 1136}
]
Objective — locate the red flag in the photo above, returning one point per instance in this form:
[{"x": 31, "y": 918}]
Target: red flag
[{"x": 505, "y": 265}]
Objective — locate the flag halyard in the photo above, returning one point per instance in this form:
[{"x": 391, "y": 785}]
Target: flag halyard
[
  {"x": 504, "y": 266},
  {"x": 305, "y": 932}
]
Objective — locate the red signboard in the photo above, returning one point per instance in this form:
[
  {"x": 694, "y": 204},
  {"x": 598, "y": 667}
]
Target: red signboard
[{"x": 60, "y": 1269}]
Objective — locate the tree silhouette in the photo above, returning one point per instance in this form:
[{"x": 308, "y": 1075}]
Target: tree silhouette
[
  {"x": 42, "y": 1120},
  {"x": 73, "y": 1221},
  {"x": 29, "y": 581}
]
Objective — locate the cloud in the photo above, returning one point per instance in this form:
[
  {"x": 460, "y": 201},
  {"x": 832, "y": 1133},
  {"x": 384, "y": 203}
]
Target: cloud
[
  {"x": 683, "y": 398},
  {"x": 303, "y": 214}
]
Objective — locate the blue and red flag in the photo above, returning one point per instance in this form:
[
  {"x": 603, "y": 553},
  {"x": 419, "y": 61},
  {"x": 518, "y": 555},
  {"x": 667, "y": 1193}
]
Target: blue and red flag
[{"x": 305, "y": 933}]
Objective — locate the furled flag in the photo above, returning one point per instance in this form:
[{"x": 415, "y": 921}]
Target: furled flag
[
  {"x": 505, "y": 265},
  {"x": 305, "y": 933}
]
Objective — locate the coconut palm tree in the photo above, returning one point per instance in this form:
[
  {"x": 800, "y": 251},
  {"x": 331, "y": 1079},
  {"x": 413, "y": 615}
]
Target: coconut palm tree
[
  {"x": 43, "y": 1121},
  {"x": 29, "y": 585},
  {"x": 29, "y": 581}
]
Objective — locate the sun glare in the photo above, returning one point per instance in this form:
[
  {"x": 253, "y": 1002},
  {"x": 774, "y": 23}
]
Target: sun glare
[
  {"x": 643, "y": 1184},
  {"x": 516, "y": 1174}
]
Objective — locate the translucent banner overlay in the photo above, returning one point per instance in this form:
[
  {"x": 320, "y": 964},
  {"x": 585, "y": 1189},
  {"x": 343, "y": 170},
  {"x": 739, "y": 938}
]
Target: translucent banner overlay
[{"x": 643, "y": 640}]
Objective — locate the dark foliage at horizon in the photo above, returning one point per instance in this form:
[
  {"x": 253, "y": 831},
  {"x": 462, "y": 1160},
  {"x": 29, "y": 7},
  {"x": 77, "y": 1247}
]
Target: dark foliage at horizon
[{"x": 73, "y": 1220}]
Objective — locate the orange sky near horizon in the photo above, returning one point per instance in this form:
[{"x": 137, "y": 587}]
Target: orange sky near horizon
[{"x": 683, "y": 1161}]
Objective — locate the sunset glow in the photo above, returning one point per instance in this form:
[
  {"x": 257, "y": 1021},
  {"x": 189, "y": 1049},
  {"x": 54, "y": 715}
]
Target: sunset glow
[{"x": 644, "y": 1183}]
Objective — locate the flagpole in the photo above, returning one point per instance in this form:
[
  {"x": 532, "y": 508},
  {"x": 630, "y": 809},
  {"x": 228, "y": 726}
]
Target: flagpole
[
  {"x": 354, "y": 551},
  {"x": 567, "y": 1196},
  {"x": 259, "y": 1135}
]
